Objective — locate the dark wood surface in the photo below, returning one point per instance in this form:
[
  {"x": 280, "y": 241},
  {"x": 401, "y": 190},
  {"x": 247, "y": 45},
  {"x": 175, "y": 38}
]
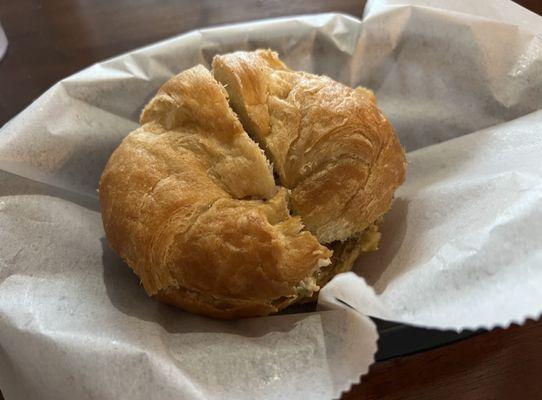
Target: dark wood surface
[
  {"x": 502, "y": 364},
  {"x": 51, "y": 39}
]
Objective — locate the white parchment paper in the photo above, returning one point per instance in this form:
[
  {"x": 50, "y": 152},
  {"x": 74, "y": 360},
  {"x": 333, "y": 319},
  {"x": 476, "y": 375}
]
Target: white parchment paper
[{"x": 461, "y": 247}]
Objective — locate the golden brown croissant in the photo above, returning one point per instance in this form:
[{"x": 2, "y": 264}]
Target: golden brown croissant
[
  {"x": 330, "y": 144},
  {"x": 189, "y": 200}
]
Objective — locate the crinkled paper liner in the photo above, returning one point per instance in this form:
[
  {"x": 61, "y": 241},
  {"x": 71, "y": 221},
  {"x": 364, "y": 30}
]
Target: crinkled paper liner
[{"x": 460, "y": 247}]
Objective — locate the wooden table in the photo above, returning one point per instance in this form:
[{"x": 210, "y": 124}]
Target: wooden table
[{"x": 60, "y": 37}]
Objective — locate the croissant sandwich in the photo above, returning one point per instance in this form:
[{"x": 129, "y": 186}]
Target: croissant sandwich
[{"x": 247, "y": 188}]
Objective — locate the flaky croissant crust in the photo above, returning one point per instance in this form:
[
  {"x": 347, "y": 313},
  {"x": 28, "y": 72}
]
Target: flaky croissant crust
[{"x": 189, "y": 200}]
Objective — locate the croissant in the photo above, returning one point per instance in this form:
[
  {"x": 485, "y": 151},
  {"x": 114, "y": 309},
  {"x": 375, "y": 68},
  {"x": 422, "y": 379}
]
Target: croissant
[{"x": 189, "y": 200}]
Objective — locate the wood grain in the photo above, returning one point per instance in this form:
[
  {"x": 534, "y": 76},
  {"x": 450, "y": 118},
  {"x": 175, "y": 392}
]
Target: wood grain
[
  {"x": 502, "y": 364},
  {"x": 60, "y": 37},
  {"x": 51, "y": 39}
]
